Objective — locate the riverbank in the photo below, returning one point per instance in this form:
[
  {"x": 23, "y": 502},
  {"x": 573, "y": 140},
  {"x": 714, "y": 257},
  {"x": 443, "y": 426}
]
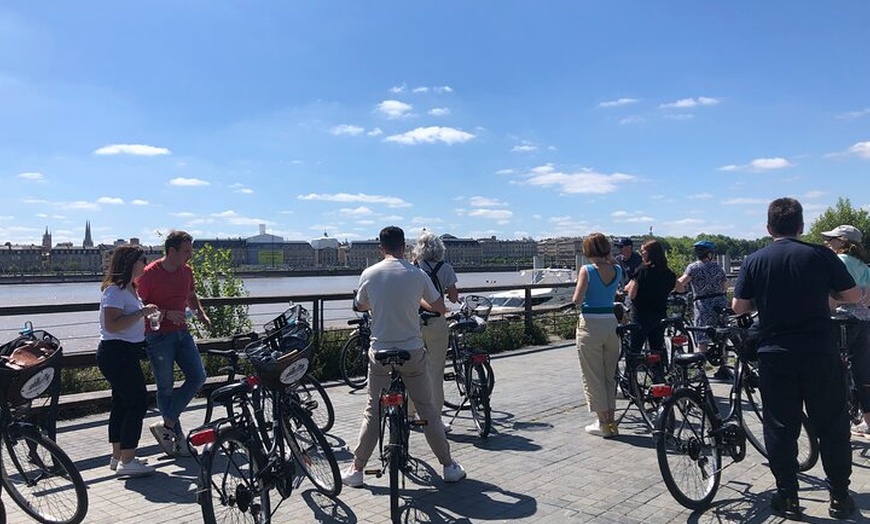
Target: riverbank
[{"x": 55, "y": 278}]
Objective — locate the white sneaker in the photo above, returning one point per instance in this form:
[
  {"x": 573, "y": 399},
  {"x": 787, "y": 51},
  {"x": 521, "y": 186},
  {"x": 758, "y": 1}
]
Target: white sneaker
[
  {"x": 134, "y": 468},
  {"x": 353, "y": 478},
  {"x": 113, "y": 462},
  {"x": 454, "y": 472},
  {"x": 181, "y": 449},
  {"x": 599, "y": 430},
  {"x": 165, "y": 437}
]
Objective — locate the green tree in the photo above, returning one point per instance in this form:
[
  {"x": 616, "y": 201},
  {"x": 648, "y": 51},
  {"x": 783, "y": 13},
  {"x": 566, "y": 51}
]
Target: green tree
[
  {"x": 841, "y": 213},
  {"x": 215, "y": 277}
]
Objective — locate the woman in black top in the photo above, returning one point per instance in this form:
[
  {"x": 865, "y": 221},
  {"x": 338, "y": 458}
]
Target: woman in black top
[{"x": 649, "y": 289}]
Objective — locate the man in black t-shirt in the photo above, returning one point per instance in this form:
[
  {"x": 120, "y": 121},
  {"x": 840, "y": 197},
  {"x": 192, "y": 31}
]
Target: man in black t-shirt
[
  {"x": 628, "y": 259},
  {"x": 789, "y": 283}
]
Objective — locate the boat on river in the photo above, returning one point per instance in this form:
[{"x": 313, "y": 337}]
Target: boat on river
[{"x": 546, "y": 298}]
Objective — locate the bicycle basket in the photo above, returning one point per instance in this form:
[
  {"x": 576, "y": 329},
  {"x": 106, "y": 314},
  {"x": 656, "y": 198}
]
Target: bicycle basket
[
  {"x": 295, "y": 313},
  {"x": 278, "y": 370},
  {"x": 28, "y": 366}
]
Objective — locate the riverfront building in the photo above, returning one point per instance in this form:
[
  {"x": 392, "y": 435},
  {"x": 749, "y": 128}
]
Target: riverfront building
[{"x": 272, "y": 252}]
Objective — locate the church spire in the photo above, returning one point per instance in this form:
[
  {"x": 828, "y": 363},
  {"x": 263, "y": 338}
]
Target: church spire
[{"x": 88, "y": 242}]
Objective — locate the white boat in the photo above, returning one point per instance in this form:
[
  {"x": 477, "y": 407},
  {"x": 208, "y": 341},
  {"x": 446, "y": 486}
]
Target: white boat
[{"x": 514, "y": 301}]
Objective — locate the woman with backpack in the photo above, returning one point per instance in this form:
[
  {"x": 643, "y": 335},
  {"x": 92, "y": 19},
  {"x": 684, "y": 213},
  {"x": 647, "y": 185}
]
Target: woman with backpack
[{"x": 428, "y": 255}]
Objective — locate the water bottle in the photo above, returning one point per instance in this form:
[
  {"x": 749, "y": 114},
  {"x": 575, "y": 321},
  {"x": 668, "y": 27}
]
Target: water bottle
[{"x": 188, "y": 314}]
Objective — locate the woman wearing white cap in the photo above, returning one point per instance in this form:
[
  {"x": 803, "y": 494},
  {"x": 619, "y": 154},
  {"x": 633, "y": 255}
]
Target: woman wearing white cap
[{"x": 845, "y": 240}]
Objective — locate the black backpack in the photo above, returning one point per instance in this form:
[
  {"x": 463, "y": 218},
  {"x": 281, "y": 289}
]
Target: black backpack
[{"x": 434, "y": 276}]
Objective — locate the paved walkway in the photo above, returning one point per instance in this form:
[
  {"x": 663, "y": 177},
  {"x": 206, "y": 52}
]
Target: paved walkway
[{"x": 538, "y": 466}]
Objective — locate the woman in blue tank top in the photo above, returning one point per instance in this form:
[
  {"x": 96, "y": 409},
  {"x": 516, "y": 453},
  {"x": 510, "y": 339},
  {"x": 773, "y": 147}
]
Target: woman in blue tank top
[{"x": 597, "y": 343}]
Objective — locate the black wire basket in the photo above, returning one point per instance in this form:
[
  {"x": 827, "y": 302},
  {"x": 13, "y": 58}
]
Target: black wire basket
[
  {"x": 23, "y": 380},
  {"x": 283, "y": 357}
]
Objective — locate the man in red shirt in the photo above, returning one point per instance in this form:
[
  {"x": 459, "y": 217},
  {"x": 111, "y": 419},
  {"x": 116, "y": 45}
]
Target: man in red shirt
[{"x": 168, "y": 283}]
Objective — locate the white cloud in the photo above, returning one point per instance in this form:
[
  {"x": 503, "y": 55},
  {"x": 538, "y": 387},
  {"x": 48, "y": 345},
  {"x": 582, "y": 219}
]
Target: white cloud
[
  {"x": 815, "y": 194},
  {"x": 493, "y": 214},
  {"x": 478, "y": 201},
  {"x": 115, "y": 201},
  {"x": 618, "y": 102},
  {"x": 620, "y": 214},
  {"x": 35, "y": 177},
  {"x": 183, "y": 214},
  {"x": 420, "y": 90},
  {"x": 679, "y": 116},
  {"x": 442, "y": 89},
  {"x": 398, "y": 89},
  {"x": 375, "y": 132},
  {"x": 505, "y": 172},
  {"x": 439, "y": 111},
  {"x": 688, "y": 103},
  {"x": 394, "y": 109},
  {"x": 356, "y": 211},
  {"x": 585, "y": 181},
  {"x": 854, "y": 114},
  {"x": 759, "y": 164},
  {"x": 701, "y": 196},
  {"x": 132, "y": 149},
  {"x": 139, "y": 202},
  {"x": 432, "y": 134},
  {"x": 861, "y": 149},
  {"x": 235, "y": 219},
  {"x": 525, "y": 147},
  {"x": 632, "y": 119},
  {"x": 188, "y": 182},
  {"x": 81, "y": 204},
  {"x": 638, "y": 220},
  {"x": 359, "y": 197},
  {"x": 346, "y": 129}
]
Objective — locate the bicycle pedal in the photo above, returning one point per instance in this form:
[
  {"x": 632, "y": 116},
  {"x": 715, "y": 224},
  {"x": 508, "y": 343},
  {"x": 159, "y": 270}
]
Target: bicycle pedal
[
  {"x": 449, "y": 376},
  {"x": 376, "y": 472},
  {"x": 418, "y": 422}
]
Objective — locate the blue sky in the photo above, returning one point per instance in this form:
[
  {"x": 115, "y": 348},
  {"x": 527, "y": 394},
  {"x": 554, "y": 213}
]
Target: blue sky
[{"x": 513, "y": 119}]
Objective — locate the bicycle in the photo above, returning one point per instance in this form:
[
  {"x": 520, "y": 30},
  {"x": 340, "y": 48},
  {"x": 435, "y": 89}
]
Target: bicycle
[
  {"x": 636, "y": 373},
  {"x": 394, "y": 427},
  {"x": 264, "y": 437},
  {"x": 471, "y": 372},
  {"x": 354, "y": 359},
  {"x": 843, "y": 319},
  {"x": 691, "y": 434},
  {"x": 34, "y": 470}
]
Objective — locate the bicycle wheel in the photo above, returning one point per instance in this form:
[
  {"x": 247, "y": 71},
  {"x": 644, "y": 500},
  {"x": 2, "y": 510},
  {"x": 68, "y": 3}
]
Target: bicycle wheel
[
  {"x": 396, "y": 457},
  {"x": 312, "y": 397},
  {"x": 41, "y": 478},
  {"x": 641, "y": 378},
  {"x": 311, "y": 451},
  {"x": 354, "y": 361},
  {"x": 454, "y": 381},
  {"x": 230, "y": 489},
  {"x": 478, "y": 388},
  {"x": 622, "y": 381},
  {"x": 689, "y": 459},
  {"x": 753, "y": 422}
]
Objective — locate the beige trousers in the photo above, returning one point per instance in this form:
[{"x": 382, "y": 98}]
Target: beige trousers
[
  {"x": 436, "y": 338},
  {"x": 598, "y": 349}
]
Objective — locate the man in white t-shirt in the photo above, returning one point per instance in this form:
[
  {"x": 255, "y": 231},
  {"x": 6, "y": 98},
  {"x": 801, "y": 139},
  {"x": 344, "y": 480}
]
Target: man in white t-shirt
[{"x": 394, "y": 289}]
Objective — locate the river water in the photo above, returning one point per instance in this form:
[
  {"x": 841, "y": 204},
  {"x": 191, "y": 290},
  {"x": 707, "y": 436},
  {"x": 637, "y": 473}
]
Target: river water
[{"x": 80, "y": 331}]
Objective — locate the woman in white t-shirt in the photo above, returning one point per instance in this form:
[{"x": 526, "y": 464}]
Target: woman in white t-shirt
[{"x": 122, "y": 341}]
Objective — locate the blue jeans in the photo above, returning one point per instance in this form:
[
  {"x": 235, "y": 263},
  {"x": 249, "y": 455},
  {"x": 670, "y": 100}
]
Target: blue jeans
[{"x": 164, "y": 351}]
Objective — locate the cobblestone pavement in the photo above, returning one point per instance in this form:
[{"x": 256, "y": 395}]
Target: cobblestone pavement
[{"x": 537, "y": 466}]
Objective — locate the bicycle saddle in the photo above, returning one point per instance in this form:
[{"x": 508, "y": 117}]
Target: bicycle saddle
[{"x": 687, "y": 359}]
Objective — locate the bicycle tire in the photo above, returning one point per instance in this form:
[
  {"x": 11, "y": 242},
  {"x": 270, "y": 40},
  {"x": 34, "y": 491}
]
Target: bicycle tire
[
  {"x": 230, "y": 488},
  {"x": 641, "y": 378},
  {"x": 311, "y": 451},
  {"x": 752, "y": 419},
  {"x": 396, "y": 458},
  {"x": 354, "y": 361},
  {"x": 454, "y": 381},
  {"x": 478, "y": 388},
  {"x": 313, "y": 397},
  {"x": 41, "y": 478},
  {"x": 688, "y": 456},
  {"x": 622, "y": 381}
]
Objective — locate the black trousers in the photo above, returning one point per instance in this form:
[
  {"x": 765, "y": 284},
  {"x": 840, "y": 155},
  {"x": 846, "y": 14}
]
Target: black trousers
[
  {"x": 119, "y": 363},
  {"x": 858, "y": 338},
  {"x": 652, "y": 330},
  {"x": 790, "y": 381}
]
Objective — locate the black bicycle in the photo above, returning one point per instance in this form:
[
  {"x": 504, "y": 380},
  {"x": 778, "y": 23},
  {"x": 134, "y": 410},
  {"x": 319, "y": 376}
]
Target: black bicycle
[
  {"x": 34, "y": 470},
  {"x": 636, "y": 373},
  {"x": 394, "y": 427},
  {"x": 843, "y": 320},
  {"x": 265, "y": 436},
  {"x": 470, "y": 380},
  {"x": 354, "y": 358},
  {"x": 692, "y": 436}
]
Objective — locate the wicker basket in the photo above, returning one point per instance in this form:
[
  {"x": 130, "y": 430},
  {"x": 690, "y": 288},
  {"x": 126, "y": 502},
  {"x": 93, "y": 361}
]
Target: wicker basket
[{"x": 20, "y": 385}]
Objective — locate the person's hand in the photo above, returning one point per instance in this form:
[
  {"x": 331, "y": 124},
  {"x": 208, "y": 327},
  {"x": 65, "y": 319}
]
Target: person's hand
[
  {"x": 150, "y": 309},
  {"x": 202, "y": 317}
]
